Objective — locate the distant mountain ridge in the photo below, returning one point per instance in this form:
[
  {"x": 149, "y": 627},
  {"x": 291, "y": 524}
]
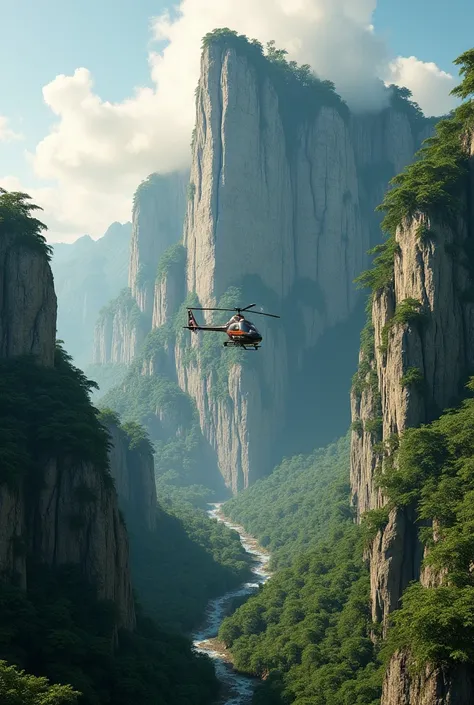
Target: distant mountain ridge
[{"x": 87, "y": 274}]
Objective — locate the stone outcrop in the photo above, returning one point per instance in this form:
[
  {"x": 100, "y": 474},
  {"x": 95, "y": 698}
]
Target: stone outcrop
[
  {"x": 438, "y": 686},
  {"x": 440, "y": 347},
  {"x": 134, "y": 476},
  {"x": 423, "y": 330},
  {"x": 73, "y": 515}
]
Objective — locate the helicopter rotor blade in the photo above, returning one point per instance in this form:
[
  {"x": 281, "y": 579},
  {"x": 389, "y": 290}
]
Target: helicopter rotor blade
[
  {"x": 196, "y": 308},
  {"x": 239, "y": 310},
  {"x": 260, "y": 313}
]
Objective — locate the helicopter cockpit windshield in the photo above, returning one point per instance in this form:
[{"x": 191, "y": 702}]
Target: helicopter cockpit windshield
[{"x": 247, "y": 327}]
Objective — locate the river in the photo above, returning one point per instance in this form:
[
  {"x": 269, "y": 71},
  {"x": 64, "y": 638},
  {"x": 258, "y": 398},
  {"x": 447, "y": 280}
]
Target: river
[{"x": 237, "y": 689}]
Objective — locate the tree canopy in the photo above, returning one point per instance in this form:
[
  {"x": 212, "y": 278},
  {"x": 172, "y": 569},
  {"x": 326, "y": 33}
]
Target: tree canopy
[{"x": 16, "y": 219}]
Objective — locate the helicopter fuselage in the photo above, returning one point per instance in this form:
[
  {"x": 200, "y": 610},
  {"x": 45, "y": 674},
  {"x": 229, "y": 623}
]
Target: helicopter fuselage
[{"x": 243, "y": 332}]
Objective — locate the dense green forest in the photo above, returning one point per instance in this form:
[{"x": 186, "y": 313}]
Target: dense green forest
[
  {"x": 289, "y": 510},
  {"x": 307, "y": 630}
]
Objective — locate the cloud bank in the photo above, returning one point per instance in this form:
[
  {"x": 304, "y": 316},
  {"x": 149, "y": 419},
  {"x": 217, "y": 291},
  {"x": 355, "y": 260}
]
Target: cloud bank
[
  {"x": 97, "y": 151},
  {"x": 6, "y": 133}
]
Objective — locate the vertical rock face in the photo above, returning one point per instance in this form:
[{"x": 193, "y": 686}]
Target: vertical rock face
[
  {"x": 441, "y": 349},
  {"x": 430, "y": 278},
  {"x": 134, "y": 476},
  {"x": 76, "y": 520},
  {"x": 158, "y": 213},
  {"x": 434, "y": 687},
  {"x": 27, "y": 303},
  {"x": 73, "y": 516}
]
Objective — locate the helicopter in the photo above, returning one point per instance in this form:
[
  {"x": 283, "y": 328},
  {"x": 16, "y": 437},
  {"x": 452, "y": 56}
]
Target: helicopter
[{"x": 242, "y": 333}]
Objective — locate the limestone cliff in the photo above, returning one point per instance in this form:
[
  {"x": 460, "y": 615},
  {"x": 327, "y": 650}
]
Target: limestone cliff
[
  {"x": 158, "y": 211},
  {"x": 57, "y": 506},
  {"x": 416, "y": 354}
]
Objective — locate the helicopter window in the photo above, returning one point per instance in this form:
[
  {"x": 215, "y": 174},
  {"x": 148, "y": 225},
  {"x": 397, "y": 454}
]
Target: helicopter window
[
  {"x": 247, "y": 327},
  {"x": 234, "y": 326}
]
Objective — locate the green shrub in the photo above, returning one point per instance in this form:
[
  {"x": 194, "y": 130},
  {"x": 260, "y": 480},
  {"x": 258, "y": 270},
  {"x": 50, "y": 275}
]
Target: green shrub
[
  {"x": 374, "y": 521},
  {"x": 381, "y": 274},
  {"x": 407, "y": 312},
  {"x": 175, "y": 255},
  {"x": 413, "y": 377},
  {"x": 435, "y": 625},
  {"x": 374, "y": 426}
]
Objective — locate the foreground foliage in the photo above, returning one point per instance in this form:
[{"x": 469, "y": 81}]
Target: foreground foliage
[
  {"x": 20, "y": 688},
  {"x": 62, "y": 631}
]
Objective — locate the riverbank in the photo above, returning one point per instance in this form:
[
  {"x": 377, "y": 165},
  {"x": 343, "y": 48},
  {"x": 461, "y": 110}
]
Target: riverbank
[{"x": 237, "y": 688}]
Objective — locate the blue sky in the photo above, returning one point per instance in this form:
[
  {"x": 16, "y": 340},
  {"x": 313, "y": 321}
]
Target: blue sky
[{"x": 112, "y": 39}]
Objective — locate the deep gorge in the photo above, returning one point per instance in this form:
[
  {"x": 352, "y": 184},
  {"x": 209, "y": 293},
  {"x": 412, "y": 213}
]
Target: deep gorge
[{"x": 360, "y": 490}]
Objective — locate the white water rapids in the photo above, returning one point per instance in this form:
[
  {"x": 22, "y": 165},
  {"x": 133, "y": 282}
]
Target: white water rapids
[{"x": 237, "y": 689}]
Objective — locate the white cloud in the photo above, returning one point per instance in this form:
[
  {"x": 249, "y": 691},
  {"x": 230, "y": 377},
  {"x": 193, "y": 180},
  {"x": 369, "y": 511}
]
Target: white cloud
[
  {"x": 70, "y": 212},
  {"x": 430, "y": 86},
  {"x": 97, "y": 152},
  {"x": 6, "y": 133}
]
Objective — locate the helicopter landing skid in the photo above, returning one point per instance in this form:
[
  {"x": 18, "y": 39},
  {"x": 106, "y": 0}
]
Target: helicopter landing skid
[{"x": 229, "y": 344}]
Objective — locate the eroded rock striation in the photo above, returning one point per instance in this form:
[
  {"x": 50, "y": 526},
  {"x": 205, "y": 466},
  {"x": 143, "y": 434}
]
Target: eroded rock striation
[{"x": 416, "y": 355}]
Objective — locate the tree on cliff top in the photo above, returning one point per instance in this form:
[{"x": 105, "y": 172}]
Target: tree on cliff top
[{"x": 16, "y": 219}]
